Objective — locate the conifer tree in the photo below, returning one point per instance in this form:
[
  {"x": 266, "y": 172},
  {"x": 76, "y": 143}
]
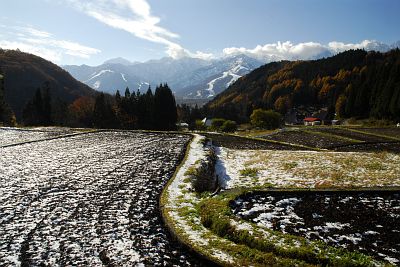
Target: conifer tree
[
  {"x": 46, "y": 109},
  {"x": 118, "y": 97},
  {"x": 103, "y": 115},
  {"x": 127, "y": 93},
  {"x": 7, "y": 116},
  {"x": 165, "y": 115}
]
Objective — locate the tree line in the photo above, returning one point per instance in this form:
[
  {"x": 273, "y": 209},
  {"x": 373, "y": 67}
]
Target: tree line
[{"x": 152, "y": 111}]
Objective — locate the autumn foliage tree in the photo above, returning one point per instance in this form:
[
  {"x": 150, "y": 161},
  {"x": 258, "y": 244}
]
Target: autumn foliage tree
[{"x": 81, "y": 112}]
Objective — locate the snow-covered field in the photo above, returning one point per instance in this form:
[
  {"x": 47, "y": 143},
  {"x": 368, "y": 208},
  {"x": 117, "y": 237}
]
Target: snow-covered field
[
  {"x": 12, "y": 136},
  {"x": 283, "y": 168},
  {"x": 87, "y": 200}
]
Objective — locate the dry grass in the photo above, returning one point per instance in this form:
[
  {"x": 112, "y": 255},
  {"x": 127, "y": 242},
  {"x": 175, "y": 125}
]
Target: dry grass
[{"x": 312, "y": 169}]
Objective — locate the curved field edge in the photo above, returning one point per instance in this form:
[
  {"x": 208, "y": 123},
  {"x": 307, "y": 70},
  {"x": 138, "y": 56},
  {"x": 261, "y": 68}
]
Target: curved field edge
[
  {"x": 232, "y": 241},
  {"x": 179, "y": 207}
]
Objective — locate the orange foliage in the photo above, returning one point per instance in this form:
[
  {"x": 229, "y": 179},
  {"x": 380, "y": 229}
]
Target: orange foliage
[
  {"x": 283, "y": 104},
  {"x": 82, "y": 107}
]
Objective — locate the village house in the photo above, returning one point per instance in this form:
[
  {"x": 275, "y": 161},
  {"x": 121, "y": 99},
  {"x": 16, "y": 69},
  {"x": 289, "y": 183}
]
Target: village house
[{"x": 311, "y": 121}]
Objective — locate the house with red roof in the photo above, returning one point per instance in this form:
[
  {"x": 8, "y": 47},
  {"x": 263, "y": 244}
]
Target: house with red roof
[{"x": 311, "y": 121}]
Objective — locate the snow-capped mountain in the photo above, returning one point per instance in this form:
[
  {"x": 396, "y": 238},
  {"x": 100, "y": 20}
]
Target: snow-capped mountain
[
  {"x": 188, "y": 77},
  {"x": 209, "y": 81}
]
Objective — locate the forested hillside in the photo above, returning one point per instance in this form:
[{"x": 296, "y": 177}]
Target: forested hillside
[
  {"x": 354, "y": 83},
  {"x": 24, "y": 73}
]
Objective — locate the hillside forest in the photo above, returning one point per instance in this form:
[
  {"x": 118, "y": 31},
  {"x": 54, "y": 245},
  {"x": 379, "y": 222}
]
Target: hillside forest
[{"x": 354, "y": 83}]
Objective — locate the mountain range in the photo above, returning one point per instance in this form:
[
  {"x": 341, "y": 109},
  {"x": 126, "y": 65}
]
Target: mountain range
[{"x": 189, "y": 78}]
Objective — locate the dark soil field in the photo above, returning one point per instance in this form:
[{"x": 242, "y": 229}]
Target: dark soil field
[
  {"x": 307, "y": 139},
  {"x": 341, "y": 139},
  {"x": 392, "y": 132},
  {"x": 393, "y": 147},
  {"x": 347, "y": 133},
  {"x": 236, "y": 142},
  {"x": 364, "y": 221}
]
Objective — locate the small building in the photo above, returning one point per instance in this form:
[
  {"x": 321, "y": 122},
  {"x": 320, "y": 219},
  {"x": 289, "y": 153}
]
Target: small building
[
  {"x": 311, "y": 121},
  {"x": 207, "y": 122},
  {"x": 183, "y": 126}
]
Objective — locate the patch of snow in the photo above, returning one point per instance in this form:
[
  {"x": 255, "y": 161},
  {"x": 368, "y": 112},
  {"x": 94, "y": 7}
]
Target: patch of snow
[
  {"x": 96, "y": 85},
  {"x": 123, "y": 77},
  {"x": 95, "y": 75}
]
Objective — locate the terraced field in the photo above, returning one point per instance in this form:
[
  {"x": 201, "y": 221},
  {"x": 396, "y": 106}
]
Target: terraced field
[
  {"x": 88, "y": 200},
  {"x": 341, "y": 138},
  {"x": 358, "y": 221},
  {"x": 311, "y": 139},
  {"x": 12, "y": 136}
]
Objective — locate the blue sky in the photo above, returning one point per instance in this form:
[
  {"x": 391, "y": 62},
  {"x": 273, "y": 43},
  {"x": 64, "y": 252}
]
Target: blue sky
[{"x": 92, "y": 31}]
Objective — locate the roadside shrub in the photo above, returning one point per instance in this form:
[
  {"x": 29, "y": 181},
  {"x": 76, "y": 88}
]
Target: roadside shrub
[
  {"x": 217, "y": 123},
  {"x": 203, "y": 178},
  {"x": 199, "y": 125},
  {"x": 222, "y": 125},
  {"x": 228, "y": 126},
  {"x": 266, "y": 119}
]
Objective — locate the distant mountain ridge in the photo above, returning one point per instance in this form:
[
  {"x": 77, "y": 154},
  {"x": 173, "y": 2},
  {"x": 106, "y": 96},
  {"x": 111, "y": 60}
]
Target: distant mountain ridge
[
  {"x": 24, "y": 73},
  {"x": 189, "y": 77}
]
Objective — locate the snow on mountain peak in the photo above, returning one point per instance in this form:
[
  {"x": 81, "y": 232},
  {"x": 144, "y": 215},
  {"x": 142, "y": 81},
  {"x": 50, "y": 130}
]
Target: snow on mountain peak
[{"x": 97, "y": 74}]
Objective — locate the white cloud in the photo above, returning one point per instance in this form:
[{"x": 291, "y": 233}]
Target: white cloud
[
  {"x": 42, "y": 43},
  {"x": 138, "y": 21},
  {"x": 366, "y": 44},
  {"x": 308, "y": 50},
  {"x": 49, "y": 54}
]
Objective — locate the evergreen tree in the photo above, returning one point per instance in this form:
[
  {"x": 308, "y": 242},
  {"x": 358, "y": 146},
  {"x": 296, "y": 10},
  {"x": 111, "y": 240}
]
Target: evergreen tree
[
  {"x": 59, "y": 113},
  {"x": 46, "y": 109},
  {"x": 149, "y": 109},
  {"x": 38, "y": 111},
  {"x": 118, "y": 97},
  {"x": 103, "y": 115},
  {"x": 127, "y": 93},
  {"x": 33, "y": 111},
  {"x": 165, "y": 115},
  {"x": 7, "y": 116}
]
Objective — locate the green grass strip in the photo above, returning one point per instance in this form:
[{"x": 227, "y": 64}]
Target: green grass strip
[{"x": 373, "y": 134}]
